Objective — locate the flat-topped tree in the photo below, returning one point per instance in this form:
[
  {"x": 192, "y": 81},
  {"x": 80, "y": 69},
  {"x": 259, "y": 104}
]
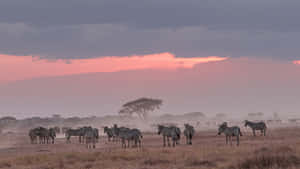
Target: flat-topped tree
[{"x": 141, "y": 107}]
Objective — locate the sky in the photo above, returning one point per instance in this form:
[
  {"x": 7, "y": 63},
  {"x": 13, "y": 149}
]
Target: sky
[
  {"x": 28, "y": 67},
  {"x": 191, "y": 40}
]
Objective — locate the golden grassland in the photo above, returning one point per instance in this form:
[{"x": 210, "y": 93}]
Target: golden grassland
[{"x": 280, "y": 149}]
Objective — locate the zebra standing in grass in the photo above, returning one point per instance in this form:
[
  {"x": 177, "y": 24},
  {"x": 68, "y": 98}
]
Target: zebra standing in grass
[
  {"x": 136, "y": 136},
  {"x": 51, "y": 135},
  {"x": 82, "y": 132},
  {"x": 257, "y": 126},
  {"x": 230, "y": 132},
  {"x": 116, "y": 132},
  {"x": 189, "y": 132},
  {"x": 128, "y": 135},
  {"x": 96, "y": 131},
  {"x": 109, "y": 132},
  {"x": 169, "y": 132},
  {"x": 178, "y": 133},
  {"x": 123, "y": 134},
  {"x": 72, "y": 132},
  {"x": 33, "y": 136},
  {"x": 43, "y": 134},
  {"x": 90, "y": 136}
]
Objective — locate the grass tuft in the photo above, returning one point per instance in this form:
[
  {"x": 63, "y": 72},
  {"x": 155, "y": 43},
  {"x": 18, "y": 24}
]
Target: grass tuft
[
  {"x": 153, "y": 161},
  {"x": 5, "y": 164},
  {"x": 194, "y": 162}
]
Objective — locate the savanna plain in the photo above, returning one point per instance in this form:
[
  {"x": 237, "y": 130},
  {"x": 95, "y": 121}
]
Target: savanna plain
[{"x": 280, "y": 149}]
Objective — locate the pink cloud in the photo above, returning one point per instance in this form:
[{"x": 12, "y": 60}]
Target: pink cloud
[
  {"x": 296, "y": 62},
  {"x": 23, "y": 67}
]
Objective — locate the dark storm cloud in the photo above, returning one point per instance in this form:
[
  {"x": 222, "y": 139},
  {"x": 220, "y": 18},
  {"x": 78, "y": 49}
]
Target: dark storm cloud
[
  {"x": 77, "y": 28},
  {"x": 259, "y": 14}
]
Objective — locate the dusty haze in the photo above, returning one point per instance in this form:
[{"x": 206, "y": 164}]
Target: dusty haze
[{"x": 235, "y": 86}]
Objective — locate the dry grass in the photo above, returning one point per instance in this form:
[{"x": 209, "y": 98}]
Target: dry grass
[
  {"x": 282, "y": 157},
  {"x": 279, "y": 150},
  {"x": 155, "y": 161},
  {"x": 270, "y": 161},
  {"x": 5, "y": 164}
]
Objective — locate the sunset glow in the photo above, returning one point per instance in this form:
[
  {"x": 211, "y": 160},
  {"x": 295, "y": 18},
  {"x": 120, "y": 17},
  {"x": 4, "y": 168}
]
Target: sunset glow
[
  {"x": 24, "y": 67},
  {"x": 296, "y": 62}
]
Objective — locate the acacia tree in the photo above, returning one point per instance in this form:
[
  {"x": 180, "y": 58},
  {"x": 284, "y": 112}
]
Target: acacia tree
[{"x": 141, "y": 107}]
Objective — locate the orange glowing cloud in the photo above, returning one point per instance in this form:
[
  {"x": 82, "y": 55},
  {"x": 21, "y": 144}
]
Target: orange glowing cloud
[
  {"x": 296, "y": 62},
  {"x": 22, "y": 67}
]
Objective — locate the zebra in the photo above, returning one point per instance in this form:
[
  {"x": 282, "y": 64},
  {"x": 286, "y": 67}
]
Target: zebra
[
  {"x": 130, "y": 135},
  {"x": 73, "y": 132},
  {"x": 51, "y": 135},
  {"x": 116, "y": 132},
  {"x": 172, "y": 132},
  {"x": 177, "y": 131},
  {"x": 42, "y": 133},
  {"x": 229, "y": 132},
  {"x": 123, "y": 135},
  {"x": 109, "y": 132},
  {"x": 257, "y": 126},
  {"x": 136, "y": 136},
  {"x": 33, "y": 136},
  {"x": 96, "y": 132},
  {"x": 189, "y": 132},
  {"x": 90, "y": 136},
  {"x": 82, "y": 131}
]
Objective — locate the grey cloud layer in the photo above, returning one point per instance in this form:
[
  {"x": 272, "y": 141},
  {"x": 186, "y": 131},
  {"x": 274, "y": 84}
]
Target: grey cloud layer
[
  {"x": 261, "y": 14},
  {"x": 76, "y": 28}
]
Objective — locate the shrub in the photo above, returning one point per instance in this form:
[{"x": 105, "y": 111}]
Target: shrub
[{"x": 152, "y": 161}]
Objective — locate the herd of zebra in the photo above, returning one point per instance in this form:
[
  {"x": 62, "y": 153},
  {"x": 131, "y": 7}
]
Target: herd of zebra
[
  {"x": 124, "y": 134},
  {"x": 90, "y": 136},
  {"x": 235, "y": 131},
  {"x": 42, "y": 134}
]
